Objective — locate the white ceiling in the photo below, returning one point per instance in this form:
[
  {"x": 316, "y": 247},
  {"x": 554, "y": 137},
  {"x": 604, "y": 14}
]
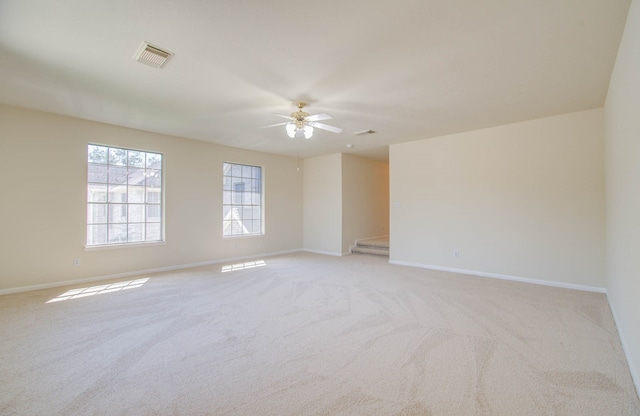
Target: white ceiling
[{"x": 407, "y": 69}]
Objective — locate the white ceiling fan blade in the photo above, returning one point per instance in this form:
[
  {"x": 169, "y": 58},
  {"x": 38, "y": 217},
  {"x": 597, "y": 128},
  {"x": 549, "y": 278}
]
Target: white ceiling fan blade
[
  {"x": 318, "y": 117},
  {"x": 287, "y": 117},
  {"x": 326, "y": 127},
  {"x": 273, "y": 125}
]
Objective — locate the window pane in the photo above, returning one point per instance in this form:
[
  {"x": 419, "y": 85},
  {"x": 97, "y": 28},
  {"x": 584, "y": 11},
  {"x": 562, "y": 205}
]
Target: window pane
[
  {"x": 237, "y": 184},
  {"x": 154, "y": 196},
  {"x": 226, "y": 227},
  {"x": 96, "y": 193},
  {"x": 117, "y": 214},
  {"x": 246, "y": 171},
  {"x": 118, "y": 174},
  {"x": 246, "y": 198},
  {"x": 136, "y": 232},
  {"x": 154, "y": 160},
  {"x": 117, "y": 193},
  {"x": 97, "y": 173},
  {"x": 98, "y": 154},
  {"x": 247, "y": 213},
  {"x": 255, "y": 199},
  {"x": 153, "y": 232},
  {"x": 117, "y": 233},
  {"x": 236, "y": 197},
  {"x": 136, "y": 213},
  {"x": 247, "y": 226},
  {"x": 136, "y": 159},
  {"x": 236, "y": 170},
  {"x": 154, "y": 213},
  {"x": 96, "y": 234},
  {"x": 117, "y": 156},
  {"x": 257, "y": 226},
  {"x": 154, "y": 178},
  {"x": 136, "y": 176},
  {"x": 226, "y": 197},
  {"x": 226, "y": 184},
  {"x": 135, "y": 194},
  {"x": 96, "y": 213}
]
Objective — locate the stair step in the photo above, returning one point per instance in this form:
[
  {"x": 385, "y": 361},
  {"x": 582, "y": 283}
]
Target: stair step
[
  {"x": 374, "y": 242},
  {"x": 378, "y": 246},
  {"x": 377, "y": 251}
]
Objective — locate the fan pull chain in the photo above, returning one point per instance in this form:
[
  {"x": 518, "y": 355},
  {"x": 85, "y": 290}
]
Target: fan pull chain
[{"x": 298, "y": 154}]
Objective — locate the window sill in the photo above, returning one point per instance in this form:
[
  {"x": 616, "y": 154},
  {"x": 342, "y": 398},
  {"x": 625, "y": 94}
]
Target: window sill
[
  {"x": 123, "y": 245},
  {"x": 235, "y": 237}
]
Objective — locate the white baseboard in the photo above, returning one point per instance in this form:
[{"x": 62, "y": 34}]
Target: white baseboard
[
  {"x": 503, "y": 277},
  {"x": 139, "y": 272},
  {"x": 326, "y": 253},
  {"x": 632, "y": 369}
]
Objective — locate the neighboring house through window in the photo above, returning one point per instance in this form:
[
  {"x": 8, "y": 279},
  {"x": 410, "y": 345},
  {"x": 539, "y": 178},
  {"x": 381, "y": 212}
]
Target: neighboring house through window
[
  {"x": 124, "y": 196},
  {"x": 242, "y": 200}
]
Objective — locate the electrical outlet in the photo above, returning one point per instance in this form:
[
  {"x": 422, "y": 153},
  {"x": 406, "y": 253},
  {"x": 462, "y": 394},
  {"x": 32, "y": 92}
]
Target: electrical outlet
[
  {"x": 76, "y": 262},
  {"x": 456, "y": 253}
]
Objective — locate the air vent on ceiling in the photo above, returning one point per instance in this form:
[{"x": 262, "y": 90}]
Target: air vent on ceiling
[
  {"x": 151, "y": 55},
  {"x": 364, "y": 132}
]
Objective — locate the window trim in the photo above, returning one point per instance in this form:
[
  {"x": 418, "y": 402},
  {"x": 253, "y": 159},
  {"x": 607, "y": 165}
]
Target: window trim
[
  {"x": 262, "y": 231},
  {"x": 161, "y": 203}
]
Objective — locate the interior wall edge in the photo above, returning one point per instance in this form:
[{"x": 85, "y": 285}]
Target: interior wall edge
[{"x": 635, "y": 376}]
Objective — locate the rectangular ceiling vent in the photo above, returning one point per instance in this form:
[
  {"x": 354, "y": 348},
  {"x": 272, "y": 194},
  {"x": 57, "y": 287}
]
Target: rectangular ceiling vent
[
  {"x": 364, "y": 132},
  {"x": 151, "y": 55}
]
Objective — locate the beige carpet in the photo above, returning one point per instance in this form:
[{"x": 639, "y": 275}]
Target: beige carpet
[{"x": 306, "y": 334}]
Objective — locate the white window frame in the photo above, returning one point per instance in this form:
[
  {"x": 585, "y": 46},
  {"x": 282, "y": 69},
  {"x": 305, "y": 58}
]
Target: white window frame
[
  {"x": 242, "y": 210},
  {"x": 125, "y": 196}
]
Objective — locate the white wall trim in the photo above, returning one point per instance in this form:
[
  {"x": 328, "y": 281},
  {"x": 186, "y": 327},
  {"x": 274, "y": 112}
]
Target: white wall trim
[
  {"x": 326, "y": 253},
  {"x": 504, "y": 277},
  {"x": 139, "y": 272},
  {"x": 634, "y": 373}
]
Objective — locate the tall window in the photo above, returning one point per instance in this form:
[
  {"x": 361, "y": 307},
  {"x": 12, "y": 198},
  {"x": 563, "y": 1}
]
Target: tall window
[
  {"x": 241, "y": 200},
  {"x": 124, "y": 196}
]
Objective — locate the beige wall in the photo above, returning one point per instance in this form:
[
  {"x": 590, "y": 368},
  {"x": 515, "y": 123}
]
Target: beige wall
[
  {"x": 346, "y": 197},
  {"x": 365, "y": 199},
  {"x": 524, "y": 200},
  {"x": 622, "y": 141},
  {"x": 323, "y": 204},
  {"x": 43, "y": 181}
]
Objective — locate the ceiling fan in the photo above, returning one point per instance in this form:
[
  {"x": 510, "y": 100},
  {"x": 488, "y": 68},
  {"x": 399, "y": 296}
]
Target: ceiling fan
[{"x": 300, "y": 121}]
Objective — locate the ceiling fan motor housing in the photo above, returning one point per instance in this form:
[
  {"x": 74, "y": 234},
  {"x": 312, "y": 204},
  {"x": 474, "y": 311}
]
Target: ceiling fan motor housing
[{"x": 299, "y": 116}]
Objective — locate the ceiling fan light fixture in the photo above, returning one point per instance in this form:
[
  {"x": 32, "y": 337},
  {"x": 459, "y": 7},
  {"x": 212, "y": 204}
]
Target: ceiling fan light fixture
[
  {"x": 291, "y": 130},
  {"x": 308, "y": 131},
  {"x": 303, "y": 124}
]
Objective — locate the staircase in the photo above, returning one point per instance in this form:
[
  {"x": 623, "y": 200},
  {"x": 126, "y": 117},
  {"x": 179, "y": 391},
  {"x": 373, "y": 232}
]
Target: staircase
[{"x": 378, "y": 246}]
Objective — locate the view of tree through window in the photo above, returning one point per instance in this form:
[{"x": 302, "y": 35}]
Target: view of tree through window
[
  {"x": 241, "y": 200},
  {"x": 124, "y": 196}
]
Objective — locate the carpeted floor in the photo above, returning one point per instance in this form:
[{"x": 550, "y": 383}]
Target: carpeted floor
[{"x": 306, "y": 334}]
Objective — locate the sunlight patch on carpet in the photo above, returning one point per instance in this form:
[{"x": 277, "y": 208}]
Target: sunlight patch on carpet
[
  {"x": 99, "y": 290},
  {"x": 243, "y": 266}
]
